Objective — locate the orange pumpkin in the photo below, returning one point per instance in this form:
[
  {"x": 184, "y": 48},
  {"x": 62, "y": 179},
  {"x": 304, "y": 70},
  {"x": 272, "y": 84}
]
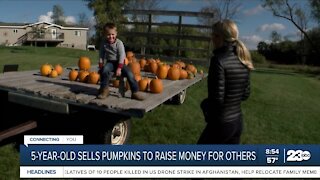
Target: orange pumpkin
[
  {"x": 93, "y": 77},
  {"x": 158, "y": 60},
  {"x": 45, "y": 69},
  {"x": 143, "y": 84},
  {"x": 130, "y": 56},
  {"x": 73, "y": 75},
  {"x": 142, "y": 62},
  {"x": 126, "y": 61},
  {"x": 192, "y": 68},
  {"x": 134, "y": 59},
  {"x": 176, "y": 65},
  {"x": 83, "y": 76},
  {"x": 135, "y": 68},
  {"x": 84, "y": 63},
  {"x": 153, "y": 66},
  {"x": 150, "y": 60},
  {"x": 53, "y": 74},
  {"x": 174, "y": 73},
  {"x": 168, "y": 66},
  {"x": 156, "y": 86},
  {"x": 181, "y": 64},
  {"x": 59, "y": 69},
  {"x": 162, "y": 71},
  {"x": 183, "y": 74}
]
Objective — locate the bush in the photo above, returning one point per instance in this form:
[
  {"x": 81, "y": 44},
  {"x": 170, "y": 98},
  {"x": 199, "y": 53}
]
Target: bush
[{"x": 258, "y": 58}]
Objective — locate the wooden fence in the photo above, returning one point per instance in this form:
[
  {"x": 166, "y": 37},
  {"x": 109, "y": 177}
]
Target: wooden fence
[{"x": 145, "y": 48}]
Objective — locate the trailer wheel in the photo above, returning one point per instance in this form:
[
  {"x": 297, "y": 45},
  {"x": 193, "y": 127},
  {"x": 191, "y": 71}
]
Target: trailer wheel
[
  {"x": 179, "y": 98},
  {"x": 119, "y": 134}
]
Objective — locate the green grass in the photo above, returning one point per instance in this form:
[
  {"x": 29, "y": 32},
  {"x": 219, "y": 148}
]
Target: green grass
[
  {"x": 283, "y": 107},
  {"x": 301, "y": 69},
  {"x": 172, "y": 124},
  {"x": 9, "y": 163},
  {"x": 30, "y": 58}
]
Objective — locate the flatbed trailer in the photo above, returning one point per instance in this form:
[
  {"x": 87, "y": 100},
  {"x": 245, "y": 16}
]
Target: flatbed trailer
[{"x": 57, "y": 103}]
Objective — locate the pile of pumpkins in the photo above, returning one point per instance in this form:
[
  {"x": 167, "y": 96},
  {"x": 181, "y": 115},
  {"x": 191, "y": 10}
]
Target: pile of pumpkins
[
  {"x": 176, "y": 71},
  {"x": 84, "y": 74},
  {"x": 49, "y": 71},
  {"x": 145, "y": 84}
]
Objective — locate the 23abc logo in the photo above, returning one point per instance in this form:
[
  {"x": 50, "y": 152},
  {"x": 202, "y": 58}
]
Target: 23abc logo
[{"x": 298, "y": 155}]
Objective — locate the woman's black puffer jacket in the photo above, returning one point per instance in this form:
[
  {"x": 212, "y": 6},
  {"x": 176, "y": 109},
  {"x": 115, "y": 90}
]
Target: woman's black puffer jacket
[{"x": 228, "y": 85}]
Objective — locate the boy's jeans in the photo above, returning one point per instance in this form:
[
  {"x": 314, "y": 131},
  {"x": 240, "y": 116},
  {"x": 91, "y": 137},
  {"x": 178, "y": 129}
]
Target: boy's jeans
[{"x": 110, "y": 68}]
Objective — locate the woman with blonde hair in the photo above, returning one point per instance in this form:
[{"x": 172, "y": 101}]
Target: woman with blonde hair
[{"x": 228, "y": 85}]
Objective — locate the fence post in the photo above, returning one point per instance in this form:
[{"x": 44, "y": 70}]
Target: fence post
[
  {"x": 149, "y": 31},
  {"x": 179, "y": 34}
]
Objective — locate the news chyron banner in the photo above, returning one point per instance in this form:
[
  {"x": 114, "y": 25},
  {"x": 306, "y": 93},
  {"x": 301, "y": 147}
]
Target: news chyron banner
[{"x": 73, "y": 159}]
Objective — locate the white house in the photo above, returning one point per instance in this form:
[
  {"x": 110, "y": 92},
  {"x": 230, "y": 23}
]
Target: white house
[{"x": 43, "y": 34}]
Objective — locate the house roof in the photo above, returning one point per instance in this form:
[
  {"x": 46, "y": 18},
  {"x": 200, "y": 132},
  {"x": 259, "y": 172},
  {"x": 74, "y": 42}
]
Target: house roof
[
  {"x": 24, "y": 25},
  {"x": 12, "y": 25}
]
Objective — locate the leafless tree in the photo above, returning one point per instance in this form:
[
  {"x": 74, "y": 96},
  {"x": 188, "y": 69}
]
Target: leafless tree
[
  {"x": 226, "y": 9},
  {"x": 292, "y": 12},
  {"x": 221, "y": 9},
  {"x": 143, "y": 5}
]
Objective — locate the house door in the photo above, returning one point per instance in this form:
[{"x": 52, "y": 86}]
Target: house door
[{"x": 54, "y": 33}]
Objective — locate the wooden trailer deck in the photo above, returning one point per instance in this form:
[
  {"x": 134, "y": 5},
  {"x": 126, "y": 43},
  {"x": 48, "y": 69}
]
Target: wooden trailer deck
[{"x": 59, "y": 94}]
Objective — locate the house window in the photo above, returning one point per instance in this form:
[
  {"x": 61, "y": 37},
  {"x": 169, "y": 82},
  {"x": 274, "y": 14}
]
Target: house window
[
  {"x": 77, "y": 33},
  {"x": 15, "y": 31}
]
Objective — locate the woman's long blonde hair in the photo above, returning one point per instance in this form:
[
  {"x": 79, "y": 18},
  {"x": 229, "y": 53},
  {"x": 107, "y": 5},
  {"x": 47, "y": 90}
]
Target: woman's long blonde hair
[{"x": 229, "y": 31}]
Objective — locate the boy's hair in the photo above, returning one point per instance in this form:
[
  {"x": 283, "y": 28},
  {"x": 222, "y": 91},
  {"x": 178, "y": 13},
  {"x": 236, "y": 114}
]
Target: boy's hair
[{"x": 109, "y": 26}]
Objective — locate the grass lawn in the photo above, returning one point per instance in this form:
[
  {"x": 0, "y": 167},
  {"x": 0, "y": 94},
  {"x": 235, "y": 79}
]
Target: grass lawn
[
  {"x": 283, "y": 107},
  {"x": 30, "y": 58}
]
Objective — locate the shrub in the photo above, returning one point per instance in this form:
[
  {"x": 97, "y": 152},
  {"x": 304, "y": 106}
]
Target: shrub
[{"x": 258, "y": 58}]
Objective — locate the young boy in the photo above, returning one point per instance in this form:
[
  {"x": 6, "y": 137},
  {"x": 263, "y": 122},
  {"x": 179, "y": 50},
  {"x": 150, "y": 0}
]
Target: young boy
[{"x": 111, "y": 60}]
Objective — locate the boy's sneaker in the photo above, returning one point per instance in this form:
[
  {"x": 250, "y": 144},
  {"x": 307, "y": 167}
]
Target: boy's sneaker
[
  {"x": 137, "y": 96},
  {"x": 103, "y": 93}
]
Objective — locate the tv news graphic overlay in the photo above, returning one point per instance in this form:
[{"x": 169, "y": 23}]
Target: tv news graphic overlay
[
  {"x": 298, "y": 155},
  {"x": 272, "y": 155},
  {"x": 53, "y": 139},
  {"x": 165, "y": 161}
]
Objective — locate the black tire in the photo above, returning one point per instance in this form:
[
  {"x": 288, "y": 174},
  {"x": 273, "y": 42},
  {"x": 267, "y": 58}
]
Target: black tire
[
  {"x": 118, "y": 134},
  {"x": 179, "y": 98}
]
